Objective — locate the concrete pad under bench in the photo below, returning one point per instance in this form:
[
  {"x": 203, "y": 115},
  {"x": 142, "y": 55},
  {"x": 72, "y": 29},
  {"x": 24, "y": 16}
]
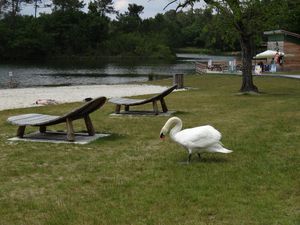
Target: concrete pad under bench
[{"x": 58, "y": 137}]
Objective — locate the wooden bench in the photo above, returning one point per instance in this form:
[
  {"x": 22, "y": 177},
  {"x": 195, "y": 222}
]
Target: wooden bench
[
  {"x": 127, "y": 102},
  {"x": 43, "y": 120}
]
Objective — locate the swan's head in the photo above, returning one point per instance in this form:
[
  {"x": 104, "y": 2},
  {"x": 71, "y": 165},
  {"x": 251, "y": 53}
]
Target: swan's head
[
  {"x": 166, "y": 128},
  {"x": 163, "y": 133}
]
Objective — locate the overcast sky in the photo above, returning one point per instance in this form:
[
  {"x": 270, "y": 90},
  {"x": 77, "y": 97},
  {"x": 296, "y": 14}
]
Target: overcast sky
[{"x": 151, "y": 7}]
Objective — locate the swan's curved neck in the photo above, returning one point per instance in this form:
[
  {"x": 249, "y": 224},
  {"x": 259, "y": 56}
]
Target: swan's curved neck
[{"x": 176, "y": 128}]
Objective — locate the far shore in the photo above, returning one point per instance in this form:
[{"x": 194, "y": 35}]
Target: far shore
[{"x": 27, "y": 97}]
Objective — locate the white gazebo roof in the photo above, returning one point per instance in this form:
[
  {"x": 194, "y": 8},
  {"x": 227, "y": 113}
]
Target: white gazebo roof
[{"x": 267, "y": 54}]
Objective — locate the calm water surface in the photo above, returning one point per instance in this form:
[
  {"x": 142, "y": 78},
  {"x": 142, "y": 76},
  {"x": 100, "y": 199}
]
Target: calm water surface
[{"x": 30, "y": 75}]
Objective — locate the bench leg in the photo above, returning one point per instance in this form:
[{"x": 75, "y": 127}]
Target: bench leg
[
  {"x": 155, "y": 107},
  {"x": 126, "y": 108},
  {"x": 163, "y": 105},
  {"x": 20, "y": 131},
  {"x": 118, "y": 109},
  {"x": 42, "y": 129},
  {"x": 89, "y": 125},
  {"x": 70, "y": 130}
]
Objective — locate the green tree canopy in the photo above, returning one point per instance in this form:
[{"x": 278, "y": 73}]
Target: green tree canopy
[
  {"x": 68, "y": 5},
  {"x": 101, "y": 7},
  {"x": 135, "y": 10},
  {"x": 130, "y": 21}
]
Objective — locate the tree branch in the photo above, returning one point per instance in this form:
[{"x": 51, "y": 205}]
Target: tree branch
[
  {"x": 170, "y": 3},
  {"x": 181, "y": 5}
]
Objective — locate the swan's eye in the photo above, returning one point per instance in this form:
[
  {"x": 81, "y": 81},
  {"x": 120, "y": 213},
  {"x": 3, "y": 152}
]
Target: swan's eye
[{"x": 162, "y": 136}]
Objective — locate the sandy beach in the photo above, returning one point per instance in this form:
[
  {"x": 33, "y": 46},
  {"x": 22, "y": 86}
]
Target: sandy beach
[{"x": 26, "y": 97}]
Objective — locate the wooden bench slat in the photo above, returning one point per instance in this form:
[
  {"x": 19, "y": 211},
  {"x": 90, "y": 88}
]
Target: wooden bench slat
[
  {"x": 21, "y": 117},
  {"x": 25, "y": 117},
  {"x": 40, "y": 120},
  {"x": 126, "y": 101},
  {"x": 31, "y": 119}
]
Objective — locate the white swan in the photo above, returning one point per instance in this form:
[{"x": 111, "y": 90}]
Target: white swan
[{"x": 197, "y": 139}]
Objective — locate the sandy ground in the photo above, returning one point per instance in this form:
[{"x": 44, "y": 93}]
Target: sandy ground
[{"x": 26, "y": 97}]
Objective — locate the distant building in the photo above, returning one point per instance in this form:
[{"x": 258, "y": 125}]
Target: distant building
[{"x": 287, "y": 42}]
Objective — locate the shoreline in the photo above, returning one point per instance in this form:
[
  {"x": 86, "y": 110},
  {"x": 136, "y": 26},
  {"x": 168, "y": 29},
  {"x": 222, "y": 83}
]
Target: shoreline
[{"x": 26, "y": 97}]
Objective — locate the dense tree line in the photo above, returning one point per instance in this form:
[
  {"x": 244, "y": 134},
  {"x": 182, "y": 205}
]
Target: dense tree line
[{"x": 70, "y": 31}]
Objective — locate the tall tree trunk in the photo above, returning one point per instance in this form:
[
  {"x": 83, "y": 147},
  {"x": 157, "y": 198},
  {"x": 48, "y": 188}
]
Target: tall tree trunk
[
  {"x": 35, "y": 8},
  {"x": 247, "y": 81},
  {"x": 15, "y": 7}
]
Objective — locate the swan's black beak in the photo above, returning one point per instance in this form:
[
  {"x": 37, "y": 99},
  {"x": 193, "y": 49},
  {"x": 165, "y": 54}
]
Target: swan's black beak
[{"x": 162, "y": 136}]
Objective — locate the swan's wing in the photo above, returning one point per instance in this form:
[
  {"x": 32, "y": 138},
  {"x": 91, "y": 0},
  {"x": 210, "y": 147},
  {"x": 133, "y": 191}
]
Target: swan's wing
[{"x": 198, "y": 137}]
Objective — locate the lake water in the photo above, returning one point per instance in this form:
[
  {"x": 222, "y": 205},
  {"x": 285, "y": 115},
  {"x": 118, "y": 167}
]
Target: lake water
[{"x": 30, "y": 75}]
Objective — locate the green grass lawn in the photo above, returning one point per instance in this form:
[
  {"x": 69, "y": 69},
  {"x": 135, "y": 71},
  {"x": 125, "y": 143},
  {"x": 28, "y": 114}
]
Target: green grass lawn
[{"x": 133, "y": 178}]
